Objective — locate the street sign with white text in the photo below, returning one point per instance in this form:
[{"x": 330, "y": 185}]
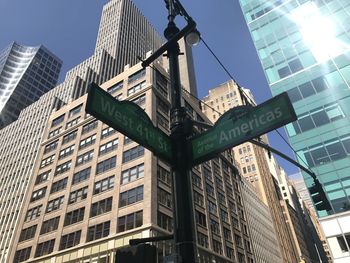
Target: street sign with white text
[
  {"x": 241, "y": 124},
  {"x": 129, "y": 119}
]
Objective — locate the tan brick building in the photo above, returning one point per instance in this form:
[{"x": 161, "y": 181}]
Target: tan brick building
[{"x": 93, "y": 189}]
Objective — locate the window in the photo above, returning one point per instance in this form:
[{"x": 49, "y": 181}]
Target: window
[
  {"x": 227, "y": 233},
  {"x": 202, "y": 240},
  {"x": 329, "y": 151},
  {"x": 238, "y": 240},
  {"x": 132, "y": 174},
  {"x": 133, "y": 153},
  {"x": 62, "y": 168},
  {"x": 45, "y": 248},
  {"x": 69, "y": 137},
  {"x": 217, "y": 246},
  {"x": 136, "y": 88},
  {"x": 22, "y": 255},
  {"x": 38, "y": 194},
  {"x": 214, "y": 226},
  {"x": 85, "y": 158},
  {"x": 230, "y": 252},
  {"x": 139, "y": 74},
  {"x": 131, "y": 196},
  {"x": 200, "y": 219},
  {"x": 253, "y": 167},
  {"x": 106, "y": 165},
  {"x": 115, "y": 87},
  {"x": 165, "y": 221},
  {"x": 54, "y": 204},
  {"x": 101, "y": 207},
  {"x": 161, "y": 84},
  {"x": 75, "y": 110},
  {"x": 342, "y": 243},
  {"x": 87, "y": 141},
  {"x": 50, "y": 147},
  {"x": 210, "y": 190},
  {"x": 107, "y": 132},
  {"x": 49, "y": 225},
  {"x": 212, "y": 208},
  {"x": 27, "y": 233},
  {"x": 70, "y": 240},
  {"x": 54, "y": 133},
  {"x": 89, "y": 127},
  {"x": 72, "y": 122},
  {"x": 59, "y": 185},
  {"x": 198, "y": 198},
  {"x": 196, "y": 180},
  {"x": 127, "y": 140},
  {"x": 47, "y": 161},
  {"x": 140, "y": 100},
  {"x": 162, "y": 121},
  {"x": 104, "y": 185},
  {"x": 42, "y": 177},
  {"x": 163, "y": 175},
  {"x": 78, "y": 195},
  {"x": 74, "y": 216},
  {"x": 317, "y": 118},
  {"x": 33, "y": 213},
  {"x": 81, "y": 175},
  {"x": 98, "y": 231},
  {"x": 164, "y": 198},
  {"x": 57, "y": 121},
  {"x": 108, "y": 147},
  {"x": 66, "y": 152},
  {"x": 129, "y": 221}
]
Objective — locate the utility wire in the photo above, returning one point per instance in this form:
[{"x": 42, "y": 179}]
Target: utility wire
[
  {"x": 248, "y": 98},
  {"x": 244, "y": 95}
]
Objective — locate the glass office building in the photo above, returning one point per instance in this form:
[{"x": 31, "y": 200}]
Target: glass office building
[
  {"x": 26, "y": 73},
  {"x": 303, "y": 46}
]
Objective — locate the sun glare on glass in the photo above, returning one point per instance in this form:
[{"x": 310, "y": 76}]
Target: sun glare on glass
[{"x": 318, "y": 32}]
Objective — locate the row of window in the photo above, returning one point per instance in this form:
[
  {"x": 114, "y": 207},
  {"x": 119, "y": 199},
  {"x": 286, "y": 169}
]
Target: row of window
[
  {"x": 126, "y": 198},
  {"x": 102, "y": 166},
  {"x": 72, "y": 239},
  {"x": 327, "y": 151},
  {"x": 128, "y": 175},
  {"x": 316, "y": 118},
  {"x": 77, "y": 215}
]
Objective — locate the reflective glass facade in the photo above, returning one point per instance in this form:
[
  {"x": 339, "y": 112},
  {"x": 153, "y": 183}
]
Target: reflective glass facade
[
  {"x": 303, "y": 47},
  {"x": 26, "y": 73}
]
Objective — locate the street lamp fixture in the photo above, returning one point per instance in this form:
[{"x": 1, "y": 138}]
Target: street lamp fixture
[{"x": 193, "y": 38}]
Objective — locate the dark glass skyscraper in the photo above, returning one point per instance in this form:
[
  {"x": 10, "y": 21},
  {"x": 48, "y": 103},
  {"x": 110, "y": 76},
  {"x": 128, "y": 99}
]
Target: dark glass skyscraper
[
  {"x": 26, "y": 73},
  {"x": 303, "y": 46}
]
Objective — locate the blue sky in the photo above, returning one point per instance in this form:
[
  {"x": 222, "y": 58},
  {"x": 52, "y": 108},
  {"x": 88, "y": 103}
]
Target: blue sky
[{"x": 69, "y": 29}]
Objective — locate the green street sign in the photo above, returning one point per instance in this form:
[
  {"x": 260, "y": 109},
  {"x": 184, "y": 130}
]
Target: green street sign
[
  {"x": 241, "y": 124},
  {"x": 129, "y": 119}
]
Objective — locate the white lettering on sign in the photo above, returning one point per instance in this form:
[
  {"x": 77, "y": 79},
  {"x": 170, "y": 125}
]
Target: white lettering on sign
[{"x": 246, "y": 127}]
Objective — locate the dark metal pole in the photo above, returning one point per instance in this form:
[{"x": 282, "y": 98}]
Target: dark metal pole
[{"x": 183, "y": 207}]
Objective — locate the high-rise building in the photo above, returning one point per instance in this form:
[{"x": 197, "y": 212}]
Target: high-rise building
[
  {"x": 255, "y": 165},
  {"x": 303, "y": 48},
  {"x": 26, "y": 73},
  {"x": 261, "y": 227},
  {"x": 300, "y": 188},
  {"x": 20, "y": 141},
  {"x": 94, "y": 189},
  {"x": 221, "y": 99}
]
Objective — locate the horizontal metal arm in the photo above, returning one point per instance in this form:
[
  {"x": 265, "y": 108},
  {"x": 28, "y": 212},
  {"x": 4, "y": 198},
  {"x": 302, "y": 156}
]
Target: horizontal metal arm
[
  {"x": 188, "y": 28},
  {"x": 267, "y": 147}
]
